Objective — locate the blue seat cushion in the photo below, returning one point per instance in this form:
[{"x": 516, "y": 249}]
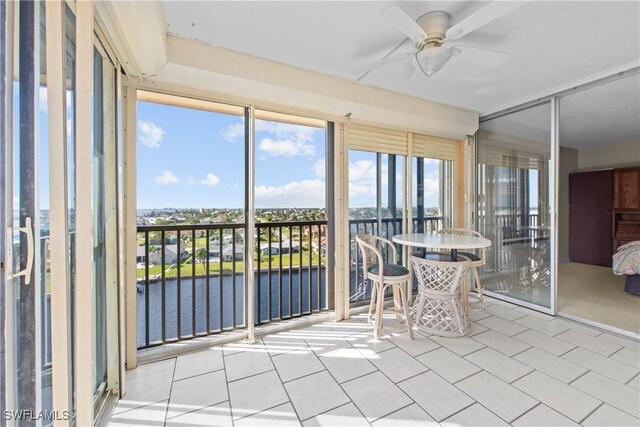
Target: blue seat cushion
[
  {"x": 446, "y": 257},
  {"x": 470, "y": 255},
  {"x": 389, "y": 270}
]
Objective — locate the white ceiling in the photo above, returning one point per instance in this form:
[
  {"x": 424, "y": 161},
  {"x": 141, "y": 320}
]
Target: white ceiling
[
  {"x": 553, "y": 45},
  {"x": 606, "y": 114}
]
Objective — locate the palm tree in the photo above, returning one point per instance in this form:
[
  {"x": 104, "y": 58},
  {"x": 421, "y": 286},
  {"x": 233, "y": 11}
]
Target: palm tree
[{"x": 201, "y": 254}]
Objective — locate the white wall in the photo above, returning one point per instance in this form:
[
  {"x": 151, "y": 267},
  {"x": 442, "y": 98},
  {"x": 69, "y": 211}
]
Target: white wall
[
  {"x": 609, "y": 156},
  {"x": 568, "y": 164}
]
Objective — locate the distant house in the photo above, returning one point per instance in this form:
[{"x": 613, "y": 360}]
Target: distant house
[
  {"x": 228, "y": 253},
  {"x": 155, "y": 256},
  {"x": 322, "y": 248},
  {"x": 214, "y": 238},
  {"x": 274, "y": 248}
]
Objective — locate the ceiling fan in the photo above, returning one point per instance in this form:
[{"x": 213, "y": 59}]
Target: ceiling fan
[{"x": 430, "y": 42}]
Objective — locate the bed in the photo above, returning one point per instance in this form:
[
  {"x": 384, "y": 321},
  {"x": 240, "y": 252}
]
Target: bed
[{"x": 626, "y": 261}]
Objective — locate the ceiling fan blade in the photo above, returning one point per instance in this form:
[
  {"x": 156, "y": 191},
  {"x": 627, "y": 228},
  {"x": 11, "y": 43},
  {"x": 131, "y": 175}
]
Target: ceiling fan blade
[
  {"x": 401, "y": 51},
  {"x": 397, "y": 17},
  {"x": 488, "y": 58},
  {"x": 482, "y": 17},
  {"x": 388, "y": 60}
]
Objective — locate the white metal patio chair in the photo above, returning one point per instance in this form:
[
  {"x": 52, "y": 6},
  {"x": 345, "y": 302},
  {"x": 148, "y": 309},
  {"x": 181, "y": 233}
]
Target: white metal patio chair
[
  {"x": 439, "y": 308},
  {"x": 383, "y": 275},
  {"x": 477, "y": 260}
]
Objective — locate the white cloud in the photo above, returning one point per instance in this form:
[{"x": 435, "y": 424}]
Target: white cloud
[
  {"x": 286, "y": 148},
  {"x": 285, "y": 130},
  {"x": 298, "y": 194},
  {"x": 233, "y": 132},
  {"x": 279, "y": 132},
  {"x": 150, "y": 134},
  {"x": 286, "y": 139},
  {"x": 319, "y": 168},
  {"x": 211, "y": 180},
  {"x": 166, "y": 178},
  {"x": 362, "y": 178},
  {"x": 431, "y": 184},
  {"x": 431, "y": 161},
  {"x": 362, "y": 170}
]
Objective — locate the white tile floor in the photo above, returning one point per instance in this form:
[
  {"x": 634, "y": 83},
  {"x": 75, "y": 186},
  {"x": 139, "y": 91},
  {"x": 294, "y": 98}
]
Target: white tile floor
[{"x": 517, "y": 367}]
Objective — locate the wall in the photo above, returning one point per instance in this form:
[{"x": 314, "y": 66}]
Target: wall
[
  {"x": 609, "y": 156},
  {"x": 568, "y": 164}
]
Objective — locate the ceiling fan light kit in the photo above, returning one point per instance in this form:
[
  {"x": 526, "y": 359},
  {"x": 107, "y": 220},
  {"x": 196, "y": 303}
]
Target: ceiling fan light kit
[
  {"x": 431, "y": 60},
  {"x": 433, "y": 36}
]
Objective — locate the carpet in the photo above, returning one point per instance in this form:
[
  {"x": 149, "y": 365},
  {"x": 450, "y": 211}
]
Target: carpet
[{"x": 595, "y": 293}]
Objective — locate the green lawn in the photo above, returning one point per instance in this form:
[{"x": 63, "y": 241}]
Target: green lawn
[{"x": 186, "y": 268}]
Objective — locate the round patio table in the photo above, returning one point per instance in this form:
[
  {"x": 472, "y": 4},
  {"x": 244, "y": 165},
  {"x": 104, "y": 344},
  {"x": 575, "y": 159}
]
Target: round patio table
[{"x": 452, "y": 242}]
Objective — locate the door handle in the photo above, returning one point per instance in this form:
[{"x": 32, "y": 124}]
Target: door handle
[{"x": 28, "y": 230}]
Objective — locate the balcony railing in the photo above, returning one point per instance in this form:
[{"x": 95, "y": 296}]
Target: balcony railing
[
  {"x": 291, "y": 282},
  {"x": 507, "y": 231},
  {"x": 190, "y": 278}
]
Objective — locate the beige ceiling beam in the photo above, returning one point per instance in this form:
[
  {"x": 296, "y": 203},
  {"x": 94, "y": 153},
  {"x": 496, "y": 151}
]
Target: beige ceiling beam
[{"x": 215, "y": 70}]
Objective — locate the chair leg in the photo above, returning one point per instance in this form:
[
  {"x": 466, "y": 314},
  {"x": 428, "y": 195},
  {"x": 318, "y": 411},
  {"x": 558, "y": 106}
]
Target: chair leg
[
  {"x": 479, "y": 285},
  {"x": 397, "y": 304},
  {"x": 465, "y": 297},
  {"x": 374, "y": 287},
  {"x": 407, "y": 318},
  {"x": 379, "y": 311}
]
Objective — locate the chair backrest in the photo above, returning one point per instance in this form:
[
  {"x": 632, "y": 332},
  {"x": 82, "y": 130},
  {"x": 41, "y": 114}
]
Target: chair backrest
[
  {"x": 468, "y": 232},
  {"x": 440, "y": 277},
  {"x": 368, "y": 245},
  {"x": 460, "y": 231}
]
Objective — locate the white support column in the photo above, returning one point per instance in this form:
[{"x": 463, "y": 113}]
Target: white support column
[
  {"x": 408, "y": 208},
  {"x": 59, "y": 232},
  {"x": 250, "y": 221},
  {"x": 470, "y": 187},
  {"x": 111, "y": 221},
  {"x": 130, "y": 226},
  {"x": 122, "y": 242},
  {"x": 554, "y": 190},
  {"x": 84, "y": 283},
  {"x": 341, "y": 203},
  {"x": 342, "y": 209}
]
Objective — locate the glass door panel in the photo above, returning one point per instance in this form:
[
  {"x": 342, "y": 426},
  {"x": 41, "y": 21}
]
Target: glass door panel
[
  {"x": 514, "y": 204},
  {"x": 375, "y": 207}
]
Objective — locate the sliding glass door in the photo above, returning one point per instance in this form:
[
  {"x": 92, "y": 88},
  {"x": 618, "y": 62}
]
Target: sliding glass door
[{"x": 515, "y": 205}]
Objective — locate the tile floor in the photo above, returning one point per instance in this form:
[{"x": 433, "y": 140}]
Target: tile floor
[{"x": 517, "y": 367}]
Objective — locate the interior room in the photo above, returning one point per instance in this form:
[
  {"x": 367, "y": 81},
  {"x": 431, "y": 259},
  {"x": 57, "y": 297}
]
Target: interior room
[{"x": 599, "y": 147}]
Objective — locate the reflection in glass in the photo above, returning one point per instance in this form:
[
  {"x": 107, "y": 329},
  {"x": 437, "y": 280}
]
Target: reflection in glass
[{"x": 514, "y": 203}]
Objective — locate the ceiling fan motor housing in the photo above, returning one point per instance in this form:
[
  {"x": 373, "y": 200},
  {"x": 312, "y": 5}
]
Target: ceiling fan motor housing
[{"x": 435, "y": 24}]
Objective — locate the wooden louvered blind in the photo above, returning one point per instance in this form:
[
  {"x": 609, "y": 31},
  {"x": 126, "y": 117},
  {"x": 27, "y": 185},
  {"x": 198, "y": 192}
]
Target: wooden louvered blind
[
  {"x": 380, "y": 140},
  {"x": 433, "y": 147},
  {"x": 511, "y": 158}
]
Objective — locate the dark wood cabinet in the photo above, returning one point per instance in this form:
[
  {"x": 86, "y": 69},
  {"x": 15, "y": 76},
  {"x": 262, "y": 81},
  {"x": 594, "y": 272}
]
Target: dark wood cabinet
[
  {"x": 626, "y": 189},
  {"x": 626, "y": 206},
  {"x": 590, "y": 217}
]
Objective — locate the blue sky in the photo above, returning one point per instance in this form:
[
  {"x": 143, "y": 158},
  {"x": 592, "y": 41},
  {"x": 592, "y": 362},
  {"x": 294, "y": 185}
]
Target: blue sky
[{"x": 195, "y": 159}]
